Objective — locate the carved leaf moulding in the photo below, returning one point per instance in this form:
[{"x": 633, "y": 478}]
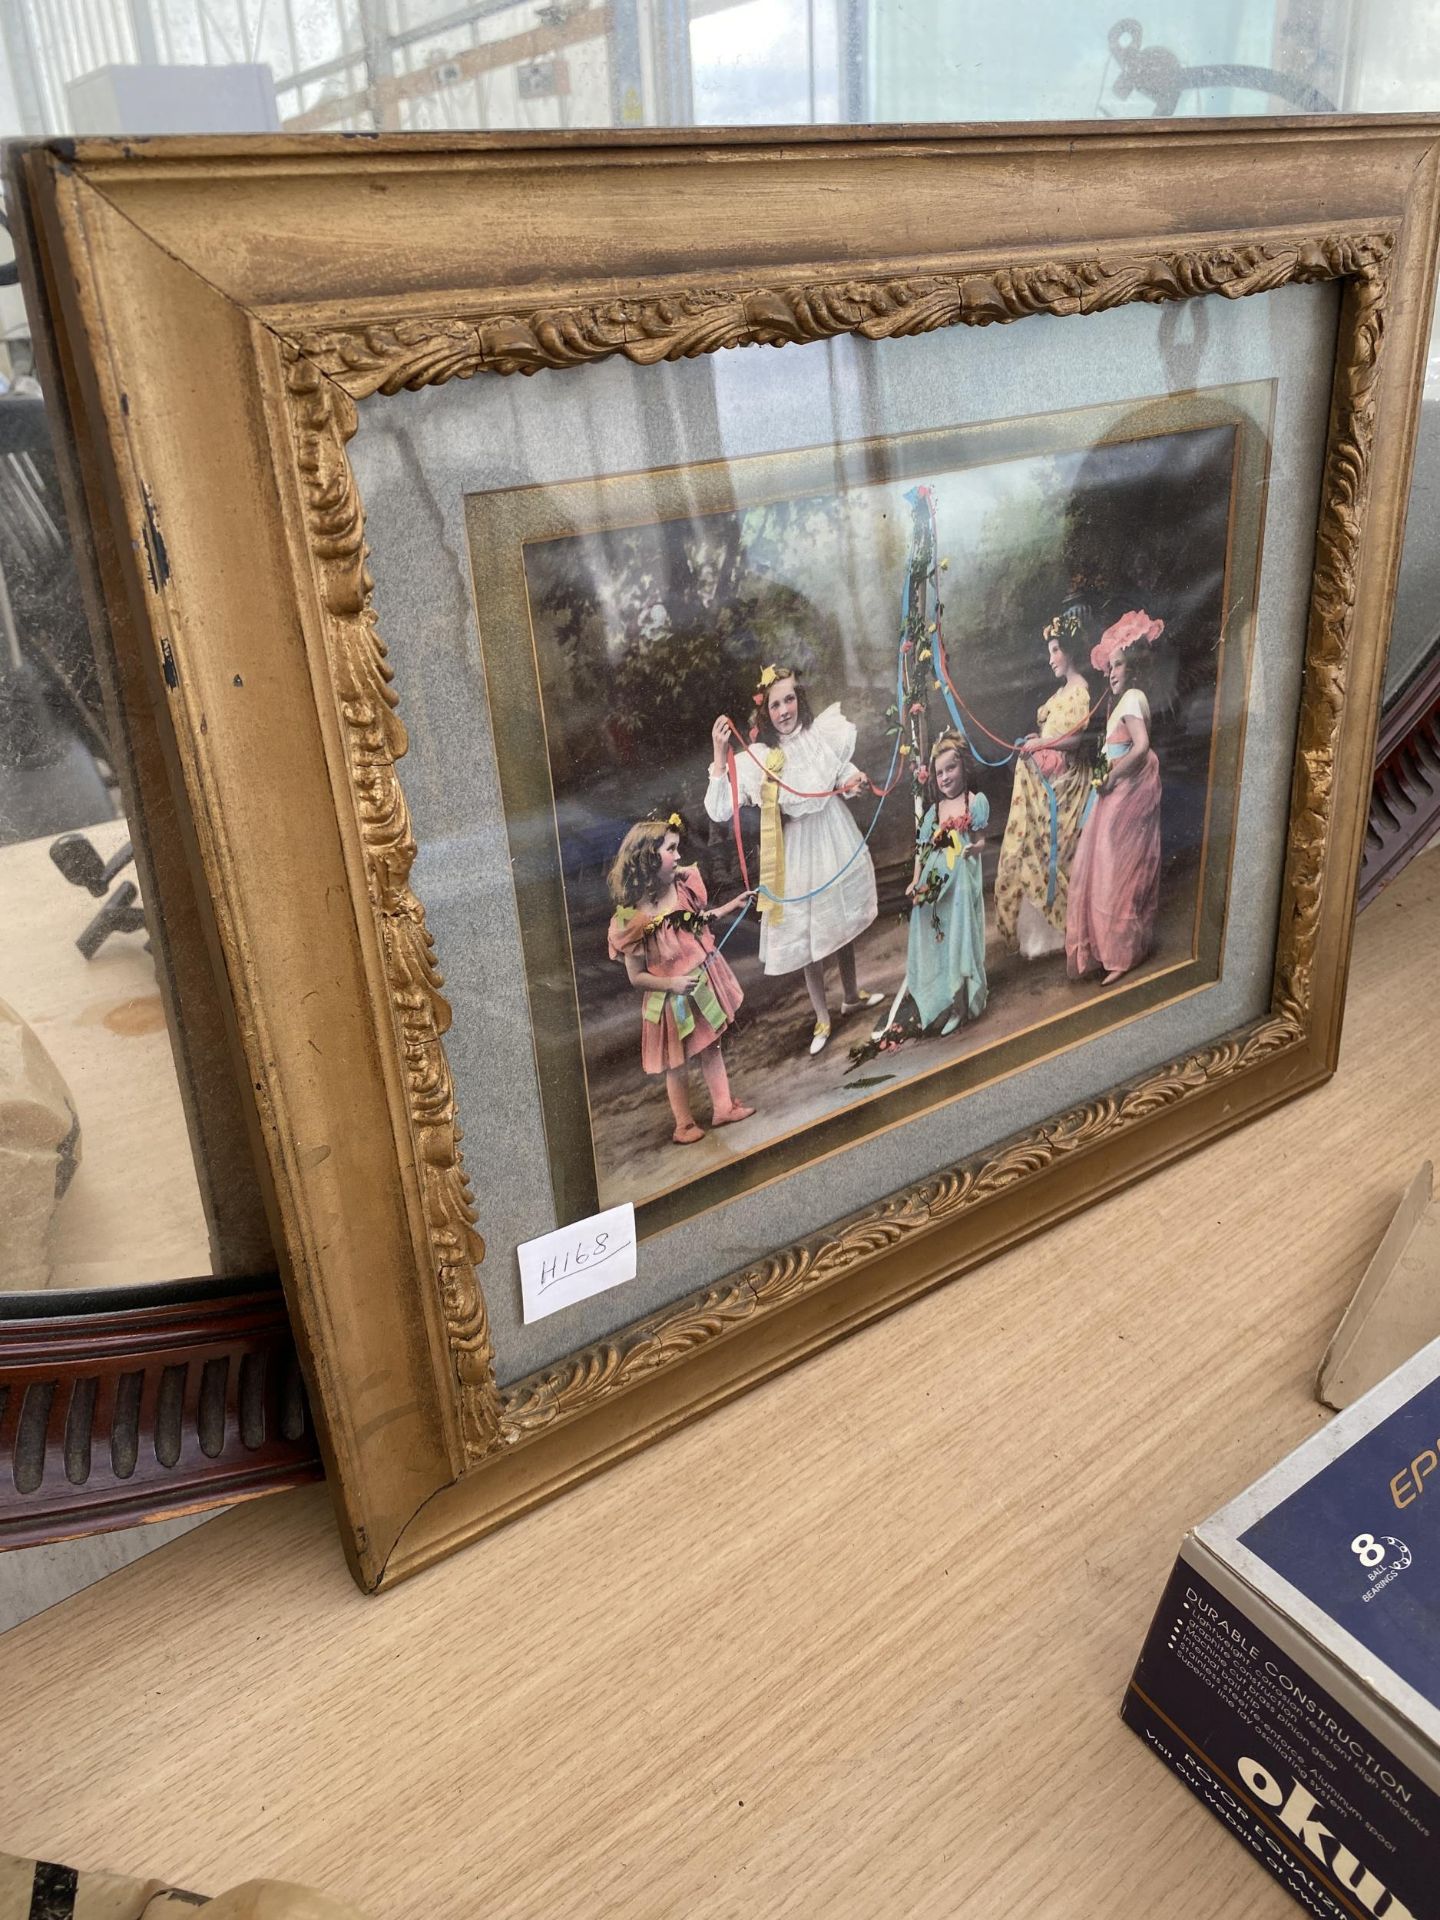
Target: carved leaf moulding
[
  {"x": 387, "y": 356},
  {"x": 579, "y": 1382},
  {"x": 1330, "y": 631},
  {"x": 330, "y": 370},
  {"x": 323, "y": 419}
]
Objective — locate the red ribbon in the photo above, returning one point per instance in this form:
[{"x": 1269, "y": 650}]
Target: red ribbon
[
  {"x": 796, "y": 793},
  {"x": 735, "y": 812}
]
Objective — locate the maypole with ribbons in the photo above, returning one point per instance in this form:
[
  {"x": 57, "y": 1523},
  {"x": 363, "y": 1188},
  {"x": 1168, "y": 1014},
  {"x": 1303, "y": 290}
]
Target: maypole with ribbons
[{"x": 923, "y": 672}]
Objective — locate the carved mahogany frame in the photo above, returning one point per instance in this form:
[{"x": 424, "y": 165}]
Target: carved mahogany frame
[{"x": 229, "y": 304}]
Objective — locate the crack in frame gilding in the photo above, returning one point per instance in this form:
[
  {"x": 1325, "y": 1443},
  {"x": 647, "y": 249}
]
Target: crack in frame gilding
[{"x": 329, "y": 370}]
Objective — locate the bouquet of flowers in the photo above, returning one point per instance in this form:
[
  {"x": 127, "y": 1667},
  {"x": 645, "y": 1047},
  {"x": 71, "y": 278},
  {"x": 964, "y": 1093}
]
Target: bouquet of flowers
[
  {"x": 1100, "y": 772},
  {"x": 903, "y": 1029},
  {"x": 930, "y": 889}
]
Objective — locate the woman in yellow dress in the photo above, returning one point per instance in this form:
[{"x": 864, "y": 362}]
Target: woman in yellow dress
[{"x": 1052, "y": 781}]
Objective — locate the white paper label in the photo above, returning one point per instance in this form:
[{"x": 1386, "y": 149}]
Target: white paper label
[{"x": 574, "y": 1262}]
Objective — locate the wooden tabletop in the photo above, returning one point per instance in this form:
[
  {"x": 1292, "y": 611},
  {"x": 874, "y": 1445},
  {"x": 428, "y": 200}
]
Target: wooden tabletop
[{"x": 853, "y": 1645}]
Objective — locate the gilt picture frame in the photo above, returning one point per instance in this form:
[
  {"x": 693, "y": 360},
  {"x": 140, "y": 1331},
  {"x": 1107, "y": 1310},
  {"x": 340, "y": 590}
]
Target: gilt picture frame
[{"x": 235, "y": 312}]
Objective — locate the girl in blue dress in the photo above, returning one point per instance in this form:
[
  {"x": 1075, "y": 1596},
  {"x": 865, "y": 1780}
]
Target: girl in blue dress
[{"x": 945, "y": 966}]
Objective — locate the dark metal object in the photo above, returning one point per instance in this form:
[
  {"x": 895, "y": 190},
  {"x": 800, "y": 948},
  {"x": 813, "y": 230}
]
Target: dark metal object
[
  {"x": 121, "y": 913},
  {"x": 1157, "y": 74},
  {"x": 112, "y": 1417},
  {"x": 81, "y": 863}
]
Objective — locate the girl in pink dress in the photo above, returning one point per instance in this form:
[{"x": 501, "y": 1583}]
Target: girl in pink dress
[
  {"x": 660, "y": 929},
  {"x": 1115, "y": 881}
]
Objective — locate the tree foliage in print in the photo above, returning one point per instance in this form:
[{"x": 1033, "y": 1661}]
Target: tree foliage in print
[{"x": 673, "y": 621}]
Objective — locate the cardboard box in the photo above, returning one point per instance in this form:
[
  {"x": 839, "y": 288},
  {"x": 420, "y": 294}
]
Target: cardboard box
[{"x": 1291, "y": 1677}]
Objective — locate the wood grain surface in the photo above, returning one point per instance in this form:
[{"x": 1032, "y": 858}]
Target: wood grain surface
[{"x": 826, "y": 1652}]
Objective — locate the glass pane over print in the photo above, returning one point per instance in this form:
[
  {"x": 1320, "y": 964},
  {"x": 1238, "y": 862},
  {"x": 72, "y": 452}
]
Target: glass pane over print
[
  {"x": 879, "y": 703},
  {"x": 578, "y": 576}
]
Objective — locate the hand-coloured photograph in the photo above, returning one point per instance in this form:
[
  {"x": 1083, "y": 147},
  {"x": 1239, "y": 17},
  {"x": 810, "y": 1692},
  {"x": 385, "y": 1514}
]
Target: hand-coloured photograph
[{"x": 842, "y": 781}]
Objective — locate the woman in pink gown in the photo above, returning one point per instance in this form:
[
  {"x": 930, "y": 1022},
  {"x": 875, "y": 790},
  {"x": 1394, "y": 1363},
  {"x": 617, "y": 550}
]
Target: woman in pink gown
[{"x": 1115, "y": 881}]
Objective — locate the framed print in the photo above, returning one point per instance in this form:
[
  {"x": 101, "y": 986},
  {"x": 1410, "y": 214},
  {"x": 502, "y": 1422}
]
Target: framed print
[
  {"x": 795, "y": 560},
  {"x": 700, "y": 846}
]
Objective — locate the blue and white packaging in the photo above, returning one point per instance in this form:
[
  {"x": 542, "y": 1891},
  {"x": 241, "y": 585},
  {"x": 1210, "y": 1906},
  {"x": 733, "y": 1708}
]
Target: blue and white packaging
[{"x": 1291, "y": 1677}]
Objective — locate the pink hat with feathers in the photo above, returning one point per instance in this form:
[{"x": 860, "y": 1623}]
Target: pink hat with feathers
[{"x": 1130, "y": 630}]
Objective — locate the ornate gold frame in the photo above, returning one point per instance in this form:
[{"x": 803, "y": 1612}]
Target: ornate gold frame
[{"x": 225, "y": 305}]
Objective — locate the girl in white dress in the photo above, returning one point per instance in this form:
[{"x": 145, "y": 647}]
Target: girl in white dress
[{"x": 812, "y": 846}]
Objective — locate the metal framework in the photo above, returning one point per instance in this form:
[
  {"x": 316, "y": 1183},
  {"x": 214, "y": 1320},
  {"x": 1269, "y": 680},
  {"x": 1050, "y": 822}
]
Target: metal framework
[{"x": 380, "y": 64}]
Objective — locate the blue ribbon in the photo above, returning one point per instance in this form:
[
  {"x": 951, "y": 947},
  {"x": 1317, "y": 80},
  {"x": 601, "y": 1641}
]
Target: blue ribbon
[{"x": 1050, "y": 795}]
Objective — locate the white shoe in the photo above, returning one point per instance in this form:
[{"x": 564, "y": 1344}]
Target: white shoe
[
  {"x": 820, "y": 1039},
  {"x": 859, "y": 1006},
  {"x": 949, "y": 1027}
]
